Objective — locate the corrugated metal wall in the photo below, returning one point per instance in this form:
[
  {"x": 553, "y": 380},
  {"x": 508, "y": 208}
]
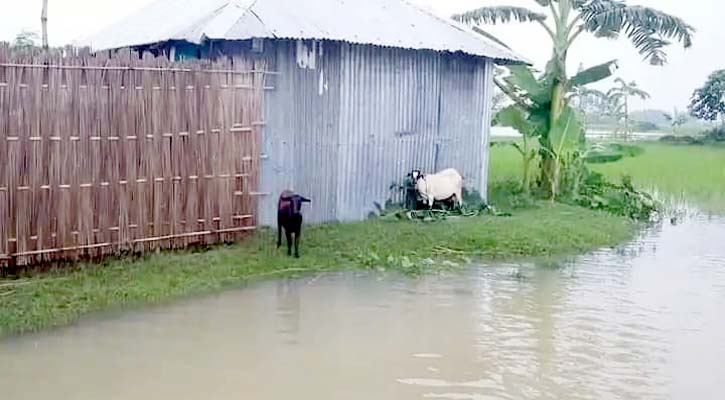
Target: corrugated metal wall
[
  {"x": 465, "y": 116},
  {"x": 388, "y": 124},
  {"x": 344, "y": 122},
  {"x": 301, "y": 136}
]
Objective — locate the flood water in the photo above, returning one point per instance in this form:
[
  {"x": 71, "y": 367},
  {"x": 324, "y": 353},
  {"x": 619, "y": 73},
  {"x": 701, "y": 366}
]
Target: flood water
[{"x": 646, "y": 321}]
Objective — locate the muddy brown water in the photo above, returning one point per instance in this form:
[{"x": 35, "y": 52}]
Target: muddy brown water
[{"x": 645, "y": 321}]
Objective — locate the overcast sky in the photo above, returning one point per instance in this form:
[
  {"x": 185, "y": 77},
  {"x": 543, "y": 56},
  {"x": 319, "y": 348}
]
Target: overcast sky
[{"x": 670, "y": 86}]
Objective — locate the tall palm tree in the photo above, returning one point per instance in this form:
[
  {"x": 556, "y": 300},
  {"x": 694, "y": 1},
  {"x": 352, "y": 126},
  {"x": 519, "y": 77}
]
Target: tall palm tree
[
  {"x": 649, "y": 30},
  {"x": 619, "y": 97},
  {"x": 44, "y": 23}
]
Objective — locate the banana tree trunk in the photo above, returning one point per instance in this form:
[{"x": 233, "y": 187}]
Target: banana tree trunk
[
  {"x": 626, "y": 118},
  {"x": 550, "y": 171},
  {"x": 525, "y": 184}
]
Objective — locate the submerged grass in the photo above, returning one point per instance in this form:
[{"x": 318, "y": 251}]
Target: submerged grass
[
  {"x": 680, "y": 172},
  {"x": 57, "y": 299},
  {"x": 675, "y": 172}
]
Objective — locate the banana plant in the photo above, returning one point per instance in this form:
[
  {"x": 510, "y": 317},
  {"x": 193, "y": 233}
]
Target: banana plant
[
  {"x": 647, "y": 28},
  {"x": 530, "y": 115},
  {"x": 619, "y": 97},
  {"x": 563, "y": 142},
  {"x": 515, "y": 117}
]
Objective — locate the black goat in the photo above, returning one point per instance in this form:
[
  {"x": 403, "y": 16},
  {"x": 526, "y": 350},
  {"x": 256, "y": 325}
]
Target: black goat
[{"x": 289, "y": 217}]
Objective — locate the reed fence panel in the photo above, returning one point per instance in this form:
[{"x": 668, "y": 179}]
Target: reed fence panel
[{"x": 105, "y": 155}]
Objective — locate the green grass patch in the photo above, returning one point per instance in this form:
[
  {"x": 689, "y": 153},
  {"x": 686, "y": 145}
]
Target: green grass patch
[
  {"x": 505, "y": 165},
  {"x": 57, "y": 299}
]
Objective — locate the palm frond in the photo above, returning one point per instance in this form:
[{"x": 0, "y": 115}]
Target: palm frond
[
  {"x": 490, "y": 37},
  {"x": 633, "y": 91},
  {"x": 593, "y": 74},
  {"x": 628, "y": 89},
  {"x": 615, "y": 96},
  {"x": 648, "y": 29},
  {"x": 593, "y": 93},
  {"x": 500, "y": 14}
]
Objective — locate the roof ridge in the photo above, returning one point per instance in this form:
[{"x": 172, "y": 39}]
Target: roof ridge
[
  {"x": 246, "y": 10},
  {"x": 241, "y": 6},
  {"x": 455, "y": 24},
  {"x": 195, "y": 21},
  {"x": 248, "y": 7}
]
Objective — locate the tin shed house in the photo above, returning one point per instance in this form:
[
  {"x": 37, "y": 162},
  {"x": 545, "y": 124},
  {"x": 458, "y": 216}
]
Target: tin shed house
[{"x": 364, "y": 91}]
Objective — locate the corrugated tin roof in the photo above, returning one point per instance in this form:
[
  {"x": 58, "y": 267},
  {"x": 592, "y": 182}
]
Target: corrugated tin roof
[{"x": 393, "y": 23}]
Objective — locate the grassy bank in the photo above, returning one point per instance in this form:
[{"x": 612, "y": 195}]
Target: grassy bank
[
  {"x": 679, "y": 172},
  {"x": 547, "y": 230}
]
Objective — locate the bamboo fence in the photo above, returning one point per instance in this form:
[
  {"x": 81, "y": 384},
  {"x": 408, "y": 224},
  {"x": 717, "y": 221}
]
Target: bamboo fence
[{"x": 105, "y": 155}]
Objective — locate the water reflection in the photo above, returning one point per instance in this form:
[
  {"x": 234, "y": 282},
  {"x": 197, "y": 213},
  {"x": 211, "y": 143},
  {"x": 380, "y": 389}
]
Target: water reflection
[
  {"x": 288, "y": 309},
  {"x": 638, "y": 322}
]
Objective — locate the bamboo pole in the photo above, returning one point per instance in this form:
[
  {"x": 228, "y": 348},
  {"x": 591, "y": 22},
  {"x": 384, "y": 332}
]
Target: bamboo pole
[
  {"x": 137, "y": 241},
  {"x": 138, "y": 68}
]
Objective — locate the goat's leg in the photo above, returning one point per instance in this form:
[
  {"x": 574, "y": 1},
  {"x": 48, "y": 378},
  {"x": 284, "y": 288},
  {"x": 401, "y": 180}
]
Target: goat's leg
[
  {"x": 279, "y": 234},
  {"x": 288, "y": 233},
  {"x": 297, "y": 243}
]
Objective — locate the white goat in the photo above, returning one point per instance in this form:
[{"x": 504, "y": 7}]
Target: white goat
[{"x": 441, "y": 186}]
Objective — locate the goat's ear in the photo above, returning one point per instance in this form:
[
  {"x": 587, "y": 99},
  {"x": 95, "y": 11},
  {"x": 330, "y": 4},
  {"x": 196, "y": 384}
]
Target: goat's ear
[{"x": 305, "y": 200}]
